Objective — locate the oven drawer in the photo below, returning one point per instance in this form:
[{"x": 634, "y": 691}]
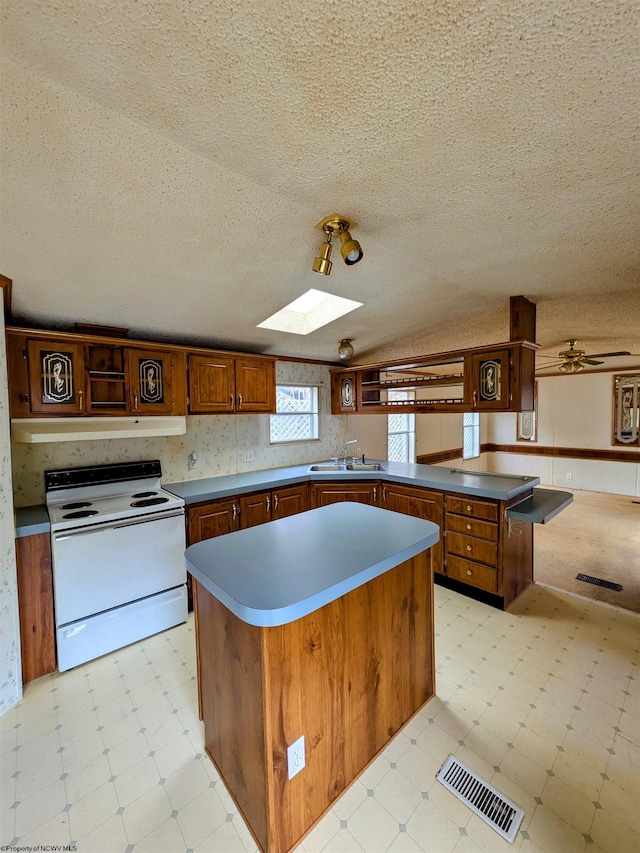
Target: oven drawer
[
  {"x": 96, "y": 569},
  {"x": 90, "y": 638},
  {"x": 472, "y": 549},
  {"x": 475, "y": 574}
]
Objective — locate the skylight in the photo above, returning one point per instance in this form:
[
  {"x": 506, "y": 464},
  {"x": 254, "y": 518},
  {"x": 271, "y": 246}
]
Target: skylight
[{"x": 309, "y": 312}]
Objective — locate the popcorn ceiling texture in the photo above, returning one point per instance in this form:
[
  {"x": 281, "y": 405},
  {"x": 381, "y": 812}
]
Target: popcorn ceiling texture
[{"x": 165, "y": 165}]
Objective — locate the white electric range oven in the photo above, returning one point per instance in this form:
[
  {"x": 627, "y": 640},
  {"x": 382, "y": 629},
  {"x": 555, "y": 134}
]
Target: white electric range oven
[{"x": 118, "y": 542}]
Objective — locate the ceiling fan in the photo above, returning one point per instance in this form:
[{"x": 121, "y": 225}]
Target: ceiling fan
[{"x": 573, "y": 360}]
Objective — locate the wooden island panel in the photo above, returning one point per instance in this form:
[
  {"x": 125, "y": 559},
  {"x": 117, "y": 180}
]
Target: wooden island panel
[{"x": 346, "y": 676}]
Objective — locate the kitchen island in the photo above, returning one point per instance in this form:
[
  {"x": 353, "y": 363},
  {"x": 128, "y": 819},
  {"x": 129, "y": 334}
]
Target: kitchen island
[{"x": 318, "y": 626}]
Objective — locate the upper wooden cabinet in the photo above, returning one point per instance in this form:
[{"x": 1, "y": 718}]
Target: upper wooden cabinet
[
  {"x": 152, "y": 376},
  {"x": 221, "y": 384},
  {"x": 499, "y": 378},
  {"x": 56, "y": 378},
  {"x": 343, "y": 393}
]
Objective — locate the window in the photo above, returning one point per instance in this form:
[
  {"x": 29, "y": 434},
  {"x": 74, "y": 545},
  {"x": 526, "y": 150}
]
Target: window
[
  {"x": 401, "y": 431},
  {"x": 470, "y": 435},
  {"x": 297, "y": 414}
]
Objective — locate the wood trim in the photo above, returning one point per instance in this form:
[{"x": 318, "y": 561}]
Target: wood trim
[
  {"x": 522, "y": 319},
  {"x": 35, "y": 606},
  {"x": 6, "y": 285},
  {"x": 440, "y": 456},
  {"x": 567, "y": 452}
]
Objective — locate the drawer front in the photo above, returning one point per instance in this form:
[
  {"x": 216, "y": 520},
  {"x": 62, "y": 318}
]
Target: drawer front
[
  {"x": 474, "y": 574},
  {"x": 487, "y": 510},
  {"x": 472, "y": 527},
  {"x": 471, "y": 548}
]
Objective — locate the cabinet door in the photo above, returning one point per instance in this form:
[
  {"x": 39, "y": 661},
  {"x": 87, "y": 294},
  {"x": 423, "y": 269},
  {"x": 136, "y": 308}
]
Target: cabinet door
[
  {"x": 421, "y": 503},
  {"x": 323, "y": 494},
  {"x": 255, "y": 509},
  {"x": 343, "y": 393},
  {"x": 289, "y": 501},
  {"x": 255, "y": 385},
  {"x": 489, "y": 380},
  {"x": 212, "y": 519},
  {"x": 56, "y": 378},
  {"x": 211, "y": 384},
  {"x": 151, "y": 389}
]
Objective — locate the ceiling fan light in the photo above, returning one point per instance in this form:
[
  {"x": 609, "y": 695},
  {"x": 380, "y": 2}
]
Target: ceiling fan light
[{"x": 571, "y": 367}]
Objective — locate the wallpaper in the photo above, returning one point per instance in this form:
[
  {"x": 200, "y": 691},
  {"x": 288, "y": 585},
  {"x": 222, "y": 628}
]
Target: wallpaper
[
  {"x": 219, "y": 442},
  {"x": 10, "y": 662}
]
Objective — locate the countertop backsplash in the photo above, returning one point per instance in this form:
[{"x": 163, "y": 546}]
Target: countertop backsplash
[{"x": 218, "y": 440}]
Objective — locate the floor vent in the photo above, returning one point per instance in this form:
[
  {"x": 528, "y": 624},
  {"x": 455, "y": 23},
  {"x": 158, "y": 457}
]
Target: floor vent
[
  {"x": 490, "y": 805},
  {"x": 616, "y": 587}
]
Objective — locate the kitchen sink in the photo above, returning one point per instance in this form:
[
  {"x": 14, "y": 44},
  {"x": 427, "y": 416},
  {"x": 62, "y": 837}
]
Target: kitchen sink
[
  {"x": 340, "y": 466},
  {"x": 330, "y": 466},
  {"x": 364, "y": 466}
]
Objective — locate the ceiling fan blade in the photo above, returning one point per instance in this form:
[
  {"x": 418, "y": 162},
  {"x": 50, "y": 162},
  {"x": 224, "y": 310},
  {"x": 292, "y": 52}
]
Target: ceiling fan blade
[
  {"x": 554, "y": 357},
  {"x": 550, "y": 366},
  {"x": 606, "y": 354},
  {"x": 590, "y": 361}
]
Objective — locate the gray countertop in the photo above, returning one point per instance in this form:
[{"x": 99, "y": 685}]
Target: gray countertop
[
  {"x": 31, "y": 520},
  {"x": 541, "y": 506},
  {"x": 478, "y": 484},
  {"x": 276, "y": 573}
]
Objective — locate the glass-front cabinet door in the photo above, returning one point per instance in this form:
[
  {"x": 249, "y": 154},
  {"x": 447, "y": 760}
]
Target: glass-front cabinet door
[
  {"x": 343, "y": 393},
  {"x": 150, "y": 382},
  {"x": 489, "y": 380},
  {"x": 56, "y": 378}
]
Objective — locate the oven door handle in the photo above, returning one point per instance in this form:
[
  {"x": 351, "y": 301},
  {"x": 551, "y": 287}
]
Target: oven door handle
[{"x": 98, "y": 528}]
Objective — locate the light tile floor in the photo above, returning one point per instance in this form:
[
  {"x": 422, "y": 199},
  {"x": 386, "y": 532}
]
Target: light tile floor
[{"x": 543, "y": 701}]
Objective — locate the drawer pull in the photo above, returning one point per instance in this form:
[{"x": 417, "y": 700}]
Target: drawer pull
[
  {"x": 469, "y": 507},
  {"x": 469, "y": 572},
  {"x": 468, "y": 547},
  {"x": 468, "y": 527}
]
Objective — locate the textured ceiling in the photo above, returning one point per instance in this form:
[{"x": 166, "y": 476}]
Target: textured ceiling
[{"x": 165, "y": 164}]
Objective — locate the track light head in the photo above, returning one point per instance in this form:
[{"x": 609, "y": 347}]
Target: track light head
[
  {"x": 350, "y": 249},
  {"x": 322, "y": 264}
]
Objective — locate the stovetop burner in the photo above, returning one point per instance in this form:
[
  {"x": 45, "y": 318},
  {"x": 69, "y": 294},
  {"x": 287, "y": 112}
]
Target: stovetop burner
[
  {"x": 76, "y": 505},
  {"x": 150, "y": 501},
  {"x": 144, "y": 495},
  {"x": 81, "y": 513}
]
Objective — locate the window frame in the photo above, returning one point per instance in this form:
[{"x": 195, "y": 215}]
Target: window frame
[
  {"x": 474, "y": 426},
  {"x": 411, "y": 432},
  {"x": 317, "y": 387}
]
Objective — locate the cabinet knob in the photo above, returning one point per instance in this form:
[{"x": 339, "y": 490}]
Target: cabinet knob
[
  {"x": 135, "y": 400},
  {"x": 81, "y": 399},
  {"x": 275, "y": 503},
  {"x": 468, "y": 547},
  {"x": 469, "y": 572},
  {"x": 375, "y": 493},
  {"x": 469, "y": 507},
  {"x": 234, "y": 512},
  {"x": 468, "y": 527},
  {"x": 239, "y": 401},
  {"x": 268, "y": 503},
  {"x": 231, "y": 401}
]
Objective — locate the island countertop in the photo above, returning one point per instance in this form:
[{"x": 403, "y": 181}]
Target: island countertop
[
  {"x": 276, "y": 573},
  {"x": 474, "y": 483}
]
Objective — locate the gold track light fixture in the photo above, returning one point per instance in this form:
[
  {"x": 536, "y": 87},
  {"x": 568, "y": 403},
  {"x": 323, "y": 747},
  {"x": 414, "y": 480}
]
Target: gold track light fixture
[{"x": 350, "y": 249}]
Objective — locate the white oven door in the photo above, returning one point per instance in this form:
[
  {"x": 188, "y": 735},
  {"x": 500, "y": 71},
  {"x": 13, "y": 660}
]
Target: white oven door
[{"x": 97, "y": 568}]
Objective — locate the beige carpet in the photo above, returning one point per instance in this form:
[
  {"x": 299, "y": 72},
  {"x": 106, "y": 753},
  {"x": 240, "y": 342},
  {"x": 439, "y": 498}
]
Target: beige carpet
[{"x": 598, "y": 535}]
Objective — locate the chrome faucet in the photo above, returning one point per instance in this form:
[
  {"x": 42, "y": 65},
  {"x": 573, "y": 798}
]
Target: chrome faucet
[{"x": 346, "y": 444}]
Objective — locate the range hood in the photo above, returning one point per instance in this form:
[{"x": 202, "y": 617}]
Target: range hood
[{"x": 41, "y": 430}]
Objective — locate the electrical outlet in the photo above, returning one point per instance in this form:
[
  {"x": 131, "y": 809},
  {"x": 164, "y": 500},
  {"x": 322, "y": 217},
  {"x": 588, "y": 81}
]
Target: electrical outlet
[
  {"x": 248, "y": 456},
  {"x": 192, "y": 460},
  {"x": 569, "y": 476},
  {"x": 295, "y": 757}
]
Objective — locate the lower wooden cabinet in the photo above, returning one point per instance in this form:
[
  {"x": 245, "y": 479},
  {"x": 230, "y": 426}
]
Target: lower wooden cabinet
[
  {"x": 289, "y": 501},
  {"x": 35, "y": 606},
  {"x": 323, "y": 494},
  {"x": 420, "y": 503},
  {"x": 215, "y": 518}
]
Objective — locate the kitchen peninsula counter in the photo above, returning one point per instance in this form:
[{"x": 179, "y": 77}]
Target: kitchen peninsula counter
[
  {"x": 474, "y": 483},
  {"x": 318, "y": 626}
]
